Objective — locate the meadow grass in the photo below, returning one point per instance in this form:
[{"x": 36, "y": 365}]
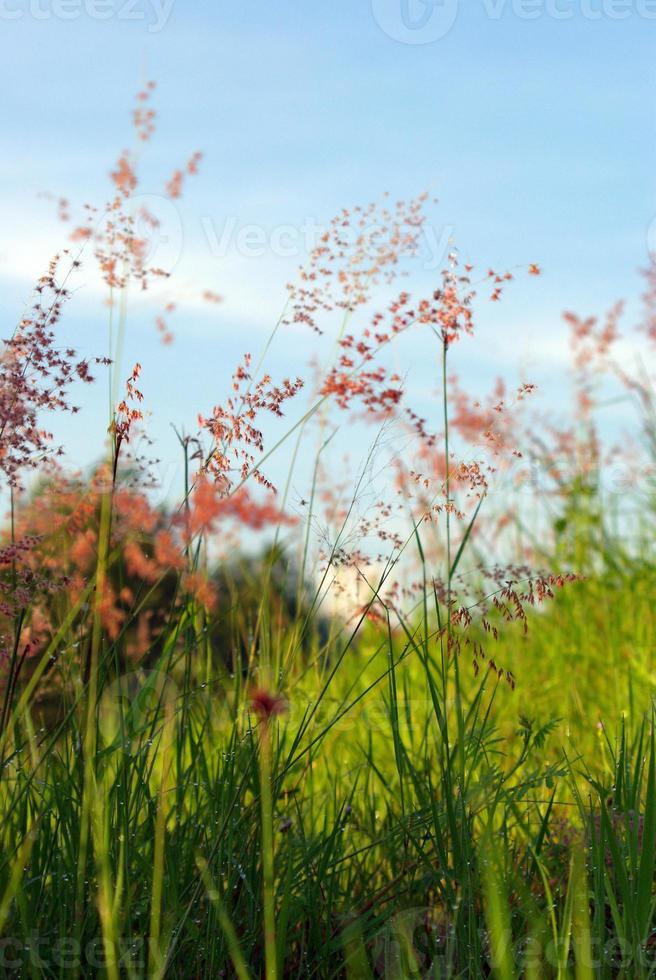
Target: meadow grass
[
  {"x": 208, "y": 770},
  {"x": 382, "y": 826}
]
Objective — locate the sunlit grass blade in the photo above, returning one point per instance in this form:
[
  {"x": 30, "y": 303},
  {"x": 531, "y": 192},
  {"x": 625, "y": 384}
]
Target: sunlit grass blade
[
  {"x": 497, "y": 911},
  {"x": 225, "y": 923},
  {"x": 648, "y": 850},
  {"x": 581, "y": 932}
]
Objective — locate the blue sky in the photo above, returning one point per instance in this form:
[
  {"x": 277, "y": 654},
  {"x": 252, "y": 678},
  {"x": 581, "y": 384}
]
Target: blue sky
[{"x": 535, "y": 133}]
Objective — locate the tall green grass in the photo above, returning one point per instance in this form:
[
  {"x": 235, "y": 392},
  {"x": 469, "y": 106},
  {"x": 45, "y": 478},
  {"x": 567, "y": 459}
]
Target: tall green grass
[{"x": 400, "y": 818}]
